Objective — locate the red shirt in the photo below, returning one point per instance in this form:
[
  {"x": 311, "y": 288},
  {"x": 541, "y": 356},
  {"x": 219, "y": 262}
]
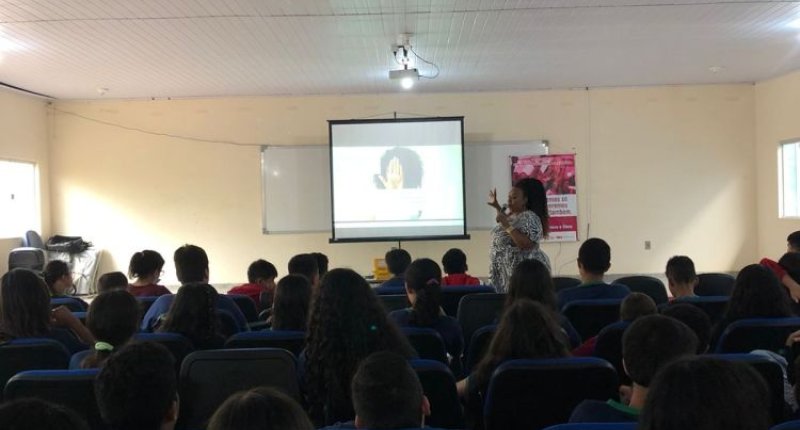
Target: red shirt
[
  {"x": 776, "y": 268},
  {"x": 148, "y": 290},
  {"x": 460, "y": 279},
  {"x": 253, "y": 291}
]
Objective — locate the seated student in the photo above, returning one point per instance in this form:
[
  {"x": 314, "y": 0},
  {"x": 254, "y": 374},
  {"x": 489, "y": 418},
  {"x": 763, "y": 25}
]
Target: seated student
[
  {"x": 292, "y": 302},
  {"x": 387, "y": 395},
  {"x": 146, "y": 267},
  {"x": 261, "y": 408},
  {"x": 695, "y": 319},
  {"x": 454, "y": 262},
  {"x": 526, "y": 330},
  {"x": 306, "y": 265},
  {"x": 27, "y": 414},
  {"x": 137, "y": 388},
  {"x": 424, "y": 292},
  {"x": 756, "y": 294},
  {"x": 58, "y": 278},
  {"x": 633, "y": 306},
  {"x": 260, "y": 284},
  {"x": 113, "y": 318},
  {"x": 193, "y": 314},
  {"x": 791, "y": 284},
  {"x": 322, "y": 263},
  {"x": 112, "y": 281},
  {"x": 681, "y": 277},
  {"x": 704, "y": 393},
  {"x": 594, "y": 260},
  {"x": 648, "y": 344},
  {"x": 25, "y": 312},
  {"x": 397, "y": 261},
  {"x": 191, "y": 267},
  {"x": 531, "y": 280}
]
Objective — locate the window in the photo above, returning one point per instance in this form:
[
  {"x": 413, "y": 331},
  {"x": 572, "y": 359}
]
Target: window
[{"x": 19, "y": 203}]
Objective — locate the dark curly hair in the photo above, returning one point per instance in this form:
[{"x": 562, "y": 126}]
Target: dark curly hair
[
  {"x": 347, "y": 324},
  {"x": 193, "y": 314},
  {"x": 534, "y": 192}
]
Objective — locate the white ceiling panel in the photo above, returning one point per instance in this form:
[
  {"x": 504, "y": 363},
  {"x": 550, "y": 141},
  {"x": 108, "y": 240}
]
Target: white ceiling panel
[{"x": 188, "y": 48}]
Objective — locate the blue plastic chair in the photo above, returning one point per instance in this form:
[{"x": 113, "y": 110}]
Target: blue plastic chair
[
  {"x": 292, "y": 341},
  {"x": 31, "y": 354},
  {"x": 439, "y": 387},
  {"x": 594, "y": 426},
  {"x": 479, "y": 310},
  {"x": 590, "y": 316},
  {"x": 427, "y": 342},
  {"x": 788, "y": 425},
  {"x": 246, "y": 305},
  {"x": 756, "y": 333},
  {"x": 714, "y": 284},
  {"x": 71, "y": 303},
  {"x": 713, "y": 306},
  {"x": 649, "y": 285},
  {"x": 452, "y": 294}
]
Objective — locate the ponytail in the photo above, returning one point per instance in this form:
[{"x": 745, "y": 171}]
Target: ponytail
[{"x": 424, "y": 277}]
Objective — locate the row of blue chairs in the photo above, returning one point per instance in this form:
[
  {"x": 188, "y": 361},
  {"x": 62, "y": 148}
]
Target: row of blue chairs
[{"x": 789, "y": 425}]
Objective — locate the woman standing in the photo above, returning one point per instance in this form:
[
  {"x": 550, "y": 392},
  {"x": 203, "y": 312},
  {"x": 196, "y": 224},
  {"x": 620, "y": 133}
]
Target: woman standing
[{"x": 517, "y": 235}]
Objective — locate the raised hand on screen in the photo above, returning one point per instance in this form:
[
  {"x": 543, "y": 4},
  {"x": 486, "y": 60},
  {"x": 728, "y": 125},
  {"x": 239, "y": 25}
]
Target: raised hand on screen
[
  {"x": 493, "y": 200},
  {"x": 394, "y": 175}
]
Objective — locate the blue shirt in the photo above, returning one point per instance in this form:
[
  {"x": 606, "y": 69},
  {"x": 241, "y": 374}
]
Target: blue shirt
[
  {"x": 592, "y": 291},
  {"x": 162, "y": 304}
]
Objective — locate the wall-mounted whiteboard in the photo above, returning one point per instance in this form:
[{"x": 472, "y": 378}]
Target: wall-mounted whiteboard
[{"x": 296, "y": 195}]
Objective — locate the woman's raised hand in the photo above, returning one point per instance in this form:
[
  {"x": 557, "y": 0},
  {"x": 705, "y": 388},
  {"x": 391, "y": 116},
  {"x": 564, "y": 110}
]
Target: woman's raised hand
[{"x": 493, "y": 200}]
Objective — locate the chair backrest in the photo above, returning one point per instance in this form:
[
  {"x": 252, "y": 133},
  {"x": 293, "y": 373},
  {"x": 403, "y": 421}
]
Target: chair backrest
[
  {"x": 227, "y": 323},
  {"x": 452, "y": 294},
  {"x": 533, "y": 394},
  {"x": 713, "y": 306},
  {"x": 439, "y": 387},
  {"x": 292, "y": 341},
  {"x": 31, "y": 354},
  {"x": 590, "y": 316},
  {"x": 394, "y": 302},
  {"x": 756, "y": 333},
  {"x": 427, "y": 342},
  {"x": 246, "y": 305},
  {"x": 73, "y": 304},
  {"x": 478, "y": 310},
  {"x": 33, "y": 240},
  {"x": 609, "y": 347},
  {"x": 714, "y": 284},
  {"x": 207, "y": 378},
  {"x": 649, "y": 285},
  {"x": 595, "y": 426},
  {"x": 788, "y": 425},
  {"x": 144, "y": 304},
  {"x": 390, "y": 290},
  {"x": 177, "y": 344},
  {"x": 71, "y": 388},
  {"x": 564, "y": 282},
  {"x": 77, "y": 358},
  {"x": 27, "y": 258},
  {"x": 772, "y": 373},
  {"x": 478, "y": 346}
]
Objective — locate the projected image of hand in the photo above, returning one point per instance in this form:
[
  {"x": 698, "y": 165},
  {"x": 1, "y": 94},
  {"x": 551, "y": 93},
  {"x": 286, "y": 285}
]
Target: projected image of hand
[
  {"x": 394, "y": 175},
  {"x": 401, "y": 168}
]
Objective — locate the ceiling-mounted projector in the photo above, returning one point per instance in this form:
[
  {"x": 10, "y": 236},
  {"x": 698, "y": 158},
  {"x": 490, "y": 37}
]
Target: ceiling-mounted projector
[{"x": 406, "y": 77}]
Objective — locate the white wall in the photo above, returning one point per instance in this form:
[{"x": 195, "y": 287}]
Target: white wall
[
  {"x": 672, "y": 165},
  {"x": 23, "y": 137}
]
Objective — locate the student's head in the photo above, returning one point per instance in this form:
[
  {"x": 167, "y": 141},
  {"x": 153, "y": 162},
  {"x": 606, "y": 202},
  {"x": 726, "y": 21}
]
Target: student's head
[
  {"x": 397, "y": 261},
  {"x": 757, "y": 293},
  {"x": 262, "y": 272},
  {"x": 306, "y": 265},
  {"x": 261, "y": 408},
  {"x": 594, "y": 257},
  {"x": 681, "y": 276},
  {"x": 704, "y": 393},
  {"x": 322, "y": 263},
  {"x": 653, "y": 341},
  {"x": 111, "y": 281},
  {"x": 292, "y": 300},
  {"x": 791, "y": 263},
  {"x": 636, "y": 305},
  {"x": 137, "y": 388},
  {"x": 58, "y": 277},
  {"x": 410, "y": 163},
  {"x": 113, "y": 318},
  {"x": 695, "y": 319},
  {"x": 534, "y": 197},
  {"x": 146, "y": 265},
  {"x": 26, "y": 414},
  {"x": 454, "y": 261},
  {"x": 531, "y": 280},
  {"x": 191, "y": 264},
  {"x": 347, "y": 324},
  {"x": 193, "y": 313},
  {"x": 527, "y": 329},
  {"x": 423, "y": 286},
  {"x": 24, "y": 304},
  {"x": 793, "y": 242},
  {"x": 387, "y": 393}
]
